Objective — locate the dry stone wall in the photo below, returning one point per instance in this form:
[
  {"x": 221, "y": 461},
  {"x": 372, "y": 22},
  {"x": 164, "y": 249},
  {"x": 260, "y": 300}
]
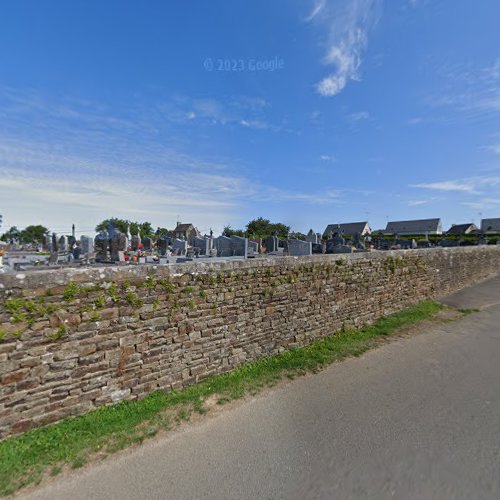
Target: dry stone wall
[{"x": 76, "y": 339}]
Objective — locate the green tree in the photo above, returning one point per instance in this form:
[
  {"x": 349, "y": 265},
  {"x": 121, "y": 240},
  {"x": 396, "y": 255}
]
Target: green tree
[
  {"x": 229, "y": 231},
  {"x": 12, "y": 234},
  {"x": 161, "y": 231},
  {"x": 34, "y": 234},
  {"x": 299, "y": 236},
  {"x": 260, "y": 228},
  {"x": 122, "y": 224}
]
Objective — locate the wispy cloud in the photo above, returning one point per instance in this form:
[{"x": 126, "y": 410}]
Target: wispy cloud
[
  {"x": 347, "y": 24},
  {"x": 247, "y": 112},
  {"x": 359, "y": 116},
  {"x": 416, "y": 120},
  {"x": 494, "y": 148},
  {"x": 471, "y": 185},
  {"x": 329, "y": 158},
  {"x": 471, "y": 90}
]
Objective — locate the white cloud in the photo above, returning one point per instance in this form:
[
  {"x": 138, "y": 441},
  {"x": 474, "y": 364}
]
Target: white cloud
[
  {"x": 415, "y": 120},
  {"x": 347, "y": 23},
  {"x": 329, "y": 158},
  {"x": 318, "y": 7},
  {"x": 494, "y": 148},
  {"x": 359, "y": 116},
  {"x": 417, "y": 203},
  {"x": 471, "y": 90},
  {"x": 471, "y": 185}
]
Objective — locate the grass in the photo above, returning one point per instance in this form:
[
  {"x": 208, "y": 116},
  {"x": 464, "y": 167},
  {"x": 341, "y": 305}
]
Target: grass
[
  {"x": 28, "y": 458},
  {"x": 468, "y": 311}
]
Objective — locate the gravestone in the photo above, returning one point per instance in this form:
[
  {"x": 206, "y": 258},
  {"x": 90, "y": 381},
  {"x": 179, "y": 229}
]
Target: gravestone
[
  {"x": 337, "y": 244},
  {"x": 202, "y": 244},
  {"x": 298, "y": 247},
  {"x": 224, "y": 246},
  {"x": 147, "y": 243},
  {"x": 55, "y": 243},
  {"x": 253, "y": 248},
  {"x": 48, "y": 243},
  {"x": 271, "y": 244},
  {"x": 239, "y": 246},
  {"x": 359, "y": 241},
  {"x": 317, "y": 248},
  {"x": 163, "y": 244},
  {"x": 77, "y": 252},
  {"x": 136, "y": 241},
  {"x": 179, "y": 247},
  {"x": 118, "y": 243},
  {"x": 87, "y": 245},
  {"x": 312, "y": 237},
  {"x": 63, "y": 244},
  {"x": 101, "y": 243}
]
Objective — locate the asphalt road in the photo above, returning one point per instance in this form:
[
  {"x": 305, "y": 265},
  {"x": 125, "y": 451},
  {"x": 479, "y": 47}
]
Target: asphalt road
[{"x": 418, "y": 418}]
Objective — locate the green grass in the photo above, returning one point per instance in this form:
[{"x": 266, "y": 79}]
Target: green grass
[
  {"x": 27, "y": 458},
  {"x": 467, "y": 311}
]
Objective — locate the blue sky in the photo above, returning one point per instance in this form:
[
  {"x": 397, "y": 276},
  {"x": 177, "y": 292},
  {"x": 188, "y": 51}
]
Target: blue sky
[{"x": 168, "y": 110}]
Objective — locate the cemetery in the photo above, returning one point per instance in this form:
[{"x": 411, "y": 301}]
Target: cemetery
[{"x": 111, "y": 246}]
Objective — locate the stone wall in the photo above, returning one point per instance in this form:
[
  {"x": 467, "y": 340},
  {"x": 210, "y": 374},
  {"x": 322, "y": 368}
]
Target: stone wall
[{"x": 73, "y": 340}]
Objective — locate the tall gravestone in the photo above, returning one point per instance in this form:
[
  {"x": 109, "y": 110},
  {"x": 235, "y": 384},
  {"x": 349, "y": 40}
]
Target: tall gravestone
[
  {"x": 101, "y": 243},
  {"x": 271, "y": 244},
  {"x": 87, "y": 245},
  {"x": 63, "y": 243},
  {"x": 48, "y": 243},
  {"x": 163, "y": 243},
  {"x": 117, "y": 244},
  {"x": 224, "y": 246},
  {"x": 55, "y": 243},
  {"x": 136, "y": 241},
  {"x": 147, "y": 243},
  {"x": 239, "y": 246}
]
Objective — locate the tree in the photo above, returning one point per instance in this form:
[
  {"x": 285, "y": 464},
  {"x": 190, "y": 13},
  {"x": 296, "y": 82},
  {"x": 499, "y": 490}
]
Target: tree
[
  {"x": 229, "y": 231},
  {"x": 123, "y": 225},
  {"x": 34, "y": 234},
  {"x": 120, "y": 224},
  {"x": 12, "y": 234},
  {"x": 161, "y": 231},
  {"x": 260, "y": 228}
]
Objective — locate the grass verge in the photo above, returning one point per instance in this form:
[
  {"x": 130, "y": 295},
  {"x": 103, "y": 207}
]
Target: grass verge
[{"x": 28, "y": 458}]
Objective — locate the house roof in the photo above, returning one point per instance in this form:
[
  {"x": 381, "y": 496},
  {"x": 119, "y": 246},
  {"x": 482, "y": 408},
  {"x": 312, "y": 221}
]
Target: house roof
[
  {"x": 183, "y": 227},
  {"x": 350, "y": 228},
  {"x": 490, "y": 225},
  {"x": 461, "y": 228},
  {"x": 413, "y": 226}
]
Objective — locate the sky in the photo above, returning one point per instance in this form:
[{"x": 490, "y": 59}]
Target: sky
[{"x": 306, "y": 112}]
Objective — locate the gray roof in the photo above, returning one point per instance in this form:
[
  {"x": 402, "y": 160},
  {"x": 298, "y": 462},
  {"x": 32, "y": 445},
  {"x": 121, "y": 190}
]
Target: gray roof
[
  {"x": 492, "y": 225},
  {"x": 350, "y": 228},
  {"x": 461, "y": 228},
  {"x": 414, "y": 226}
]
